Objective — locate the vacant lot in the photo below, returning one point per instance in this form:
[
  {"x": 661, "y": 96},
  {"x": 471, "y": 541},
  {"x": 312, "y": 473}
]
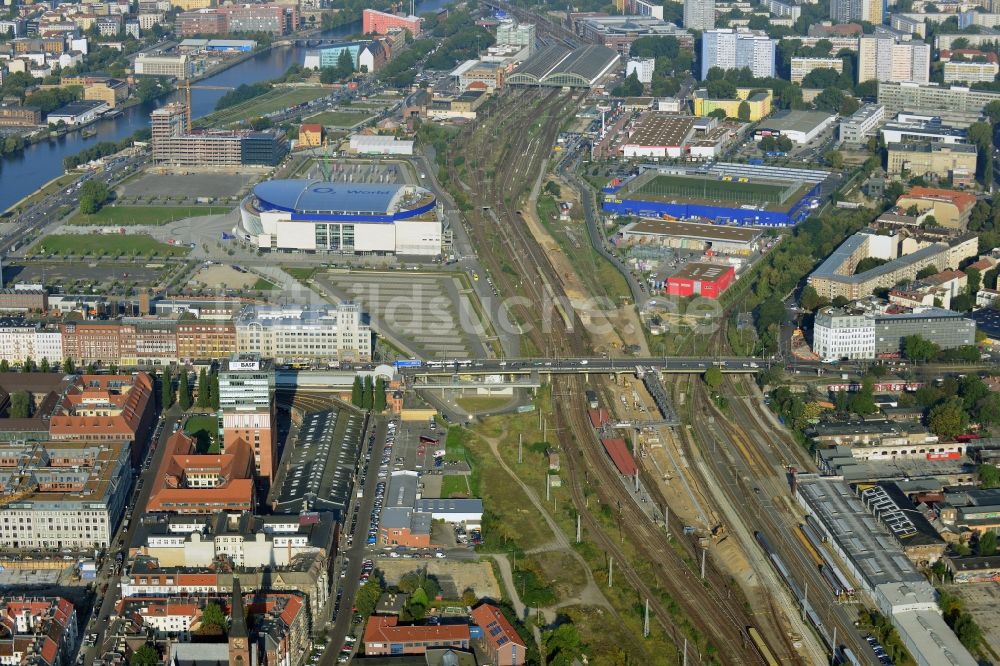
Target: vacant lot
[
  {"x": 160, "y": 187},
  {"x": 454, "y": 486},
  {"x": 483, "y": 403},
  {"x": 108, "y": 245},
  {"x": 80, "y": 274},
  {"x": 453, "y": 576},
  {"x": 338, "y": 118},
  {"x": 275, "y": 100},
  {"x": 143, "y": 215},
  {"x": 226, "y": 277}
]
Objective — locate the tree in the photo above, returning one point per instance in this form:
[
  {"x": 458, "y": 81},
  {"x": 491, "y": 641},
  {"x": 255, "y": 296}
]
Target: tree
[
  {"x": 987, "y": 545},
  {"x": 20, "y": 405},
  {"x": 810, "y": 300},
  {"x": 918, "y": 348},
  {"x": 632, "y": 86},
  {"x": 835, "y": 159},
  {"x": 863, "y": 402},
  {"x": 829, "y": 100},
  {"x": 989, "y": 476},
  {"x": 713, "y": 378},
  {"x": 28, "y": 365},
  {"x": 975, "y": 280},
  {"x": 948, "y": 418},
  {"x": 368, "y": 399},
  {"x": 417, "y": 604},
  {"x": 717, "y": 113},
  {"x": 203, "y": 390},
  {"x": 213, "y": 386},
  {"x": 743, "y": 111},
  {"x": 184, "y": 391},
  {"x": 988, "y": 409},
  {"x": 927, "y": 271},
  {"x": 358, "y": 392},
  {"x": 43, "y": 365},
  {"x": 563, "y": 645},
  {"x": 67, "y": 366},
  {"x": 981, "y": 134},
  {"x": 379, "y": 397},
  {"x": 167, "y": 389},
  {"x": 146, "y": 655},
  {"x": 213, "y": 619},
  {"x": 368, "y": 596},
  {"x": 4, "y": 366}
]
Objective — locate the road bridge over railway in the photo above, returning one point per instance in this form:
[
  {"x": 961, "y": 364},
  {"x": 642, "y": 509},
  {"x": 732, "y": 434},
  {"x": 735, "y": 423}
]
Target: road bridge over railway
[{"x": 577, "y": 366}]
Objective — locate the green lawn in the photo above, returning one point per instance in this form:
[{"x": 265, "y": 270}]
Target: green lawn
[
  {"x": 264, "y": 285},
  {"x": 455, "y": 443},
  {"x": 108, "y": 244},
  {"x": 300, "y": 272},
  {"x": 205, "y": 429},
  {"x": 453, "y": 485},
  {"x": 482, "y": 403},
  {"x": 143, "y": 215},
  {"x": 338, "y": 118},
  {"x": 274, "y": 100}
]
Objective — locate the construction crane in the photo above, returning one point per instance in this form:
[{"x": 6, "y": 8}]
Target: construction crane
[
  {"x": 23, "y": 490},
  {"x": 187, "y": 97}
]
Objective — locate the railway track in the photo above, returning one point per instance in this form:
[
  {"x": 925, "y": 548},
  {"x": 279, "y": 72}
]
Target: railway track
[
  {"x": 756, "y": 479},
  {"x": 708, "y": 605}
]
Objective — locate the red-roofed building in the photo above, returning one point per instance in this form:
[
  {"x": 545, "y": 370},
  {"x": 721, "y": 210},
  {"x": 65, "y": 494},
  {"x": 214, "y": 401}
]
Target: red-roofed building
[
  {"x": 950, "y": 208},
  {"x": 970, "y": 54},
  {"x": 384, "y": 636},
  {"x": 374, "y": 22},
  {"x": 105, "y": 408},
  {"x": 310, "y": 135},
  {"x": 37, "y": 631},
  {"x": 598, "y": 417},
  {"x": 188, "y": 482},
  {"x": 500, "y": 641},
  {"x": 617, "y": 450}
]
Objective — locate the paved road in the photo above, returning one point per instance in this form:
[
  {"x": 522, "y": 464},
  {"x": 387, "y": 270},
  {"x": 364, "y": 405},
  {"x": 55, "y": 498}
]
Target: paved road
[{"x": 140, "y": 495}]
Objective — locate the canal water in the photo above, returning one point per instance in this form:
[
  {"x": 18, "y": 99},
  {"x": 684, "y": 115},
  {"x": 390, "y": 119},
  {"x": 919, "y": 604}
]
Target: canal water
[{"x": 20, "y": 175}]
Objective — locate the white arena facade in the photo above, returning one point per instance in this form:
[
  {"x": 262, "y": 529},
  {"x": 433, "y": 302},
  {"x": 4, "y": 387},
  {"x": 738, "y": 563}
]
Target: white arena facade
[{"x": 342, "y": 218}]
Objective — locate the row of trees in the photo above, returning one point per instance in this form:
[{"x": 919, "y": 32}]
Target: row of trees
[
  {"x": 208, "y": 390},
  {"x": 29, "y": 365},
  {"x": 367, "y": 394}
]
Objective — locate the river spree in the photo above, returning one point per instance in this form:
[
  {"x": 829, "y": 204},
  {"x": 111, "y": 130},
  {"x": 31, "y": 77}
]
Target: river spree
[{"x": 22, "y": 174}]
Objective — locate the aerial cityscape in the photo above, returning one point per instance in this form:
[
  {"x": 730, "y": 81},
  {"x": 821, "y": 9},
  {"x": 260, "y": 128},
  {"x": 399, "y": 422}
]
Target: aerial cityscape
[{"x": 639, "y": 332}]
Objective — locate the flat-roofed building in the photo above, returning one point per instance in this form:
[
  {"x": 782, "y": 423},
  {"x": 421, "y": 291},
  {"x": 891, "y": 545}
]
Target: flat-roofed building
[
  {"x": 618, "y": 32},
  {"x": 910, "y": 127},
  {"x": 63, "y": 494},
  {"x": 720, "y": 239},
  {"x": 951, "y": 208},
  {"x": 246, "y": 401},
  {"x": 799, "y": 126},
  {"x": 758, "y": 100},
  {"x": 659, "y": 135},
  {"x": 201, "y": 340},
  {"x": 178, "y": 67},
  {"x": 862, "y": 124},
  {"x": 802, "y": 66},
  {"x": 940, "y": 160},
  {"x": 953, "y": 104},
  {"x": 111, "y": 92},
  {"x": 16, "y": 115}
]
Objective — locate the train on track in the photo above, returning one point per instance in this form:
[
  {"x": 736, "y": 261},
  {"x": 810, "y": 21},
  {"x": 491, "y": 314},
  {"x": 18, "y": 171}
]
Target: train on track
[{"x": 762, "y": 649}]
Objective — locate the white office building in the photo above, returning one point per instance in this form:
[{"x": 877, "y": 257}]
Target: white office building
[
  {"x": 862, "y": 124},
  {"x": 295, "y": 334},
  {"x": 839, "y": 334},
  {"x": 736, "y": 49}
]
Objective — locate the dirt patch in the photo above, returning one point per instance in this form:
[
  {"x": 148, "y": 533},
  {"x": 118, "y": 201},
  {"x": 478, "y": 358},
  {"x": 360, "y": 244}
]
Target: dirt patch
[
  {"x": 219, "y": 275},
  {"x": 560, "y": 571},
  {"x": 453, "y": 576}
]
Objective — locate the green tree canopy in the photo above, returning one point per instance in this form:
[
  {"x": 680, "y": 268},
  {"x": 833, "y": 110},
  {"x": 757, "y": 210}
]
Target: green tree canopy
[
  {"x": 987, "y": 545},
  {"x": 213, "y": 619},
  {"x": 948, "y": 418},
  {"x": 713, "y": 378},
  {"x": 989, "y": 476},
  {"x": 146, "y": 655},
  {"x": 20, "y": 405}
]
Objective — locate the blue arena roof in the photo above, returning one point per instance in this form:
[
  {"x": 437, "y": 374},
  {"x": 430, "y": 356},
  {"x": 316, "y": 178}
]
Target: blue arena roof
[{"x": 299, "y": 196}]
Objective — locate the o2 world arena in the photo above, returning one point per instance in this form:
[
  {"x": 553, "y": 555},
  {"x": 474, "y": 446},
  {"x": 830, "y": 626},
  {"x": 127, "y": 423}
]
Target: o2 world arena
[{"x": 345, "y": 218}]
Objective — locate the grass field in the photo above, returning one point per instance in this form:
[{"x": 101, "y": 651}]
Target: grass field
[
  {"x": 482, "y": 403},
  {"x": 205, "y": 429},
  {"x": 264, "y": 285},
  {"x": 455, "y": 443},
  {"x": 454, "y": 484},
  {"x": 142, "y": 215},
  {"x": 274, "y": 100},
  {"x": 108, "y": 244},
  {"x": 338, "y": 118}
]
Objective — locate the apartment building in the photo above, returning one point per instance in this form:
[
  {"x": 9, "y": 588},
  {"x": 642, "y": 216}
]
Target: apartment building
[
  {"x": 969, "y": 66},
  {"x": 736, "y": 49},
  {"x": 110, "y": 91},
  {"x": 246, "y": 401},
  {"x": 846, "y": 11},
  {"x": 200, "y": 340},
  {"x": 699, "y": 14},
  {"x": 884, "y": 57},
  {"x": 30, "y": 340},
  {"x": 243, "y": 539},
  {"x": 273, "y": 19},
  {"x": 38, "y": 630},
  {"x": 16, "y": 116},
  {"x": 147, "y": 341},
  {"x": 521, "y": 35},
  {"x": 501, "y": 642},
  {"x": 802, "y": 66},
  {"x": 66, "y": 494},
  {"x": 953, "y": 104},
  {"x": 202, "y": 23}
]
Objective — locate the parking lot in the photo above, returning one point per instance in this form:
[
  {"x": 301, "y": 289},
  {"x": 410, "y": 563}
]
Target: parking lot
[
  {"x": 430, "y": 314},
  {"x": 175, "y": 186},
  {"x": 66, "y": 275}
]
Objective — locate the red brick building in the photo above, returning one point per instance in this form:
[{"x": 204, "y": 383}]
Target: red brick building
[
  {"x": 192, "y": 483},
  {"x": 500, "y": 641},
  {"x": 384, "y": 636},
  {"x": 378, "y": 23},
  {"x": 198, "y": 339}
]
